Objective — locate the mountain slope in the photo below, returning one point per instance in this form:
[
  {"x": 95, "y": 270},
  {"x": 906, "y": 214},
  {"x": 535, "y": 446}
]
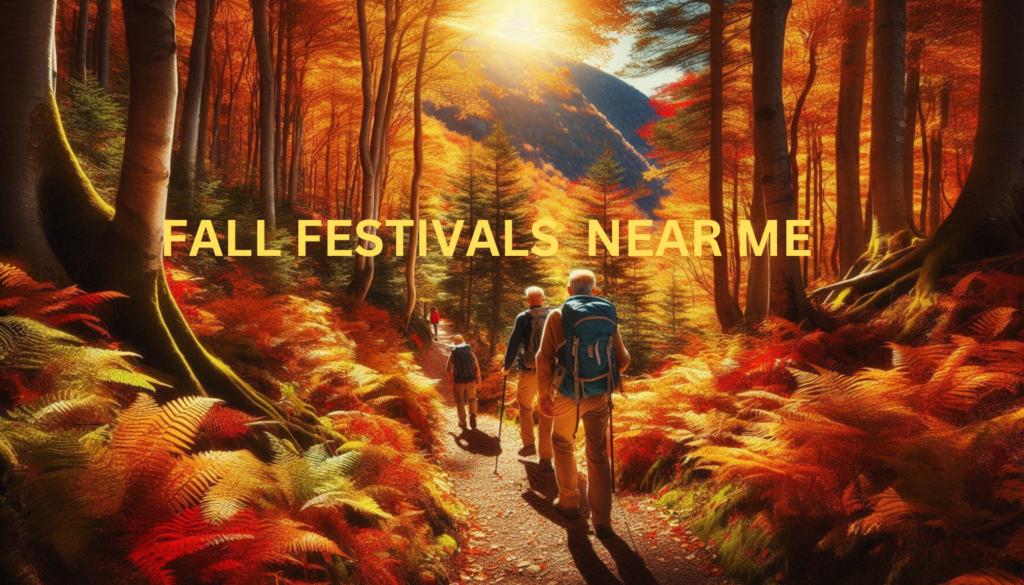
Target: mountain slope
[{"x": 562, "y": 114}]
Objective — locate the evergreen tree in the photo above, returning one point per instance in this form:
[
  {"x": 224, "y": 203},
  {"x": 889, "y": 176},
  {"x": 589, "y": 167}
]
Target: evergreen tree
[
  {"x": 465, "y": 271},
  {"x": 604, "y": 199},
  {"x": 94, "y": 121},
  {"x": 503, "y": 198}
]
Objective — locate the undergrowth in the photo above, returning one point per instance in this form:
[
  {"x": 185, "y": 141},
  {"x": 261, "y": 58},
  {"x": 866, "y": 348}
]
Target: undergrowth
[
  {"x": 107, "y": 482},
  {"x": 887, "y": 451}
]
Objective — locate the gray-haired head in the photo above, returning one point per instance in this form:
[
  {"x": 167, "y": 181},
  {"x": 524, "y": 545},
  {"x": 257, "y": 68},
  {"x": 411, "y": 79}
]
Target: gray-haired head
[
  {"x": 582, "y": 282},
  {"x": 534, "y": 295}
]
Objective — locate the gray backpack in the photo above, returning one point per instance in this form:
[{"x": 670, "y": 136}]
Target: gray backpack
[{"x": 531, "y": 345}]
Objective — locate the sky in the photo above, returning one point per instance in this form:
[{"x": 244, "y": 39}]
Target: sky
[{"x": 620, "y": 56}]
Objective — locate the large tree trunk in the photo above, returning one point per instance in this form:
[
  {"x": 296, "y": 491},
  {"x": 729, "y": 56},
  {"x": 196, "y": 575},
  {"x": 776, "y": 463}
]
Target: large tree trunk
[
  {"x": 79, "y": 66},
  {"x": 849, "y": 220},
  {"x": 417, "y": 171},
  {"x": 185, "y": 163},
  {"x": 889, "y": 226},
  {"x": 788, "y": 298},
  {"x": 726, "y": 306},
  {"x": 103, "y": 44},
  {"x": 266, "y": 114}
]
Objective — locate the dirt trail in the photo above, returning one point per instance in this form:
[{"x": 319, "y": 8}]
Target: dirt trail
[{"x": 516, "y": 536}]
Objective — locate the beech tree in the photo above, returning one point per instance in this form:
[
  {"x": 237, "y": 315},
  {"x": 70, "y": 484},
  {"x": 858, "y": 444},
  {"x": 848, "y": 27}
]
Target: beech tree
[
  {"x": 184, "y": 170},
  {"x": 267, "y": 136},
  {"x": 84, "y": 241},
  {"x": 768, "y": 28}
]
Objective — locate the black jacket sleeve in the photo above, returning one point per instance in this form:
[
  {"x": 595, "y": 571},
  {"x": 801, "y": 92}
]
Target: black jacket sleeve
[{"x": 515, "y": 342}]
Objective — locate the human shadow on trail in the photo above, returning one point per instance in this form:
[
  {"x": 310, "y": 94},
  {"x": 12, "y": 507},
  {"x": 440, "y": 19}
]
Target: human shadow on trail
[
  {"x": 476, "y": 442},
  {"x": 631, "y": 566}
]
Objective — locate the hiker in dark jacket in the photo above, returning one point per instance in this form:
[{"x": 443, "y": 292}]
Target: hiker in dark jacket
[
  {"x": 522, "y": 348},
  {"x": 464, "y": 375}
]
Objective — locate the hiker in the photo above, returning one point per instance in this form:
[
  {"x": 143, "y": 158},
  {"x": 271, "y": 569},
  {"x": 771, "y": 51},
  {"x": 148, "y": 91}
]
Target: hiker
[
  {"x": 522, "y": 348},
  {"x": 579, "y": 365},
  {"x": 435, "y": 320},
  {"x": 464, "y": 376}
]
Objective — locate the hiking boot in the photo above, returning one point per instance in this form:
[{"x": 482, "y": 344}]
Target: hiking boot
[
  {"x": 568, "y": 513},
  {"x": 527, "y": 451},
  {"x": 472, "y": 421},
  {"x": 545, "y": 466},
  {"x": 604, "y": 531}
]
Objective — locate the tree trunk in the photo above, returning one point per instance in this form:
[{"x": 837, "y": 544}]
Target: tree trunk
[
  {"x": 417, "y": 171},
  {"x": 849, "y": 220},
  {"x": 726, "y": 307},
  {"x": 935, "y": 205},
  {"x": 185, "y": 164},
  {"x": 887, "y": 128},
  {"x": 296, "y": 163},
  {"x": 926, "y": 162},
  {"x": 204, "y": 105},
  {"x": 79, "y": 66},
  {"x": 266, "y": 115},
  {"x": 372, "y": 131},
  {"x": 794, "y": 125},
  {"x": 103, "y": 44},
  {"x": 911, "y": 96},
  {"x": 788, "y": 298},
  {"x": 758, "y": 267}
]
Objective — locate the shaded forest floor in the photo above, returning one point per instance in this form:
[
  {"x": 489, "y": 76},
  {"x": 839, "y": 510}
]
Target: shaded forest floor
[{"x": 516, "y": 535}]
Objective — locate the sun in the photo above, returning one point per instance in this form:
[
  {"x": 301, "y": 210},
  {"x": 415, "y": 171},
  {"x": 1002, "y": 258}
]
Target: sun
[{"x": 522, "y": 21}]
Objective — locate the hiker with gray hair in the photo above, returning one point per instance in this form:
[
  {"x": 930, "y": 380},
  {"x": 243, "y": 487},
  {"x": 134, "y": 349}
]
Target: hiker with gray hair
[
  {"x": 522, "y": 349},
  {"x": 579, "y": 364}
]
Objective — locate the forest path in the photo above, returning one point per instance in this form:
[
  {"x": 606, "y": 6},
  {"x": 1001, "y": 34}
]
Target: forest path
[{"x": 516, "y": 535}]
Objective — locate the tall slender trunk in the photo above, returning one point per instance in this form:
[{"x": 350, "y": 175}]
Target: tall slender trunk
[
  {"x": 788, "y": 297},
  {"x": 296, "y": 164},
  {"x": 81, "y": 57},
  {"x": 737, "y": 262},
  {"x": 289, "y": 112},
  {"x": 204, "y": 105},
  {"x": 372, "y": 132},
  {"x": 853, "y": 59},
  {"x": 103, "y": 44},
  {"x": 266, "y": 115},
  {"x": 417, "y": 171},
  {"x": 887, "y": 126},
  {"x": 925, "y": 163},
  {"x": 794, "y": 124},
  {"x": 758, "y": 267},
  {"x": 935, "y": 206},
  {"x": 184, "y": 170},
  {"x": 911, "y": 98},
  {"x": 726, "y": 306}
]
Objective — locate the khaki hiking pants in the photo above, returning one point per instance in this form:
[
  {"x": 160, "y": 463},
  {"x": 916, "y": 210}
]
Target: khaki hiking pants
[
  {"x": 526, "y": 396},
  {"x": 465, "y": 392},
  {"x": 594, "y": 426}
]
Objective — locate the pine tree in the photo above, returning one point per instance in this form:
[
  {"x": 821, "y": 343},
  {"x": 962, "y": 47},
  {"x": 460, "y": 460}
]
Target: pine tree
[
  {"x": 505, "y": 199},
  {"x": 466, "y": 271},
  {"x": 604, "y": 199}
]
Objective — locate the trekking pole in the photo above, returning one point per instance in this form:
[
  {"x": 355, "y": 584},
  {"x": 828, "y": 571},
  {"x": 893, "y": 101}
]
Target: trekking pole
[
  {"x": 501, "y": 421},
  {"x": 611, "y": 434}
]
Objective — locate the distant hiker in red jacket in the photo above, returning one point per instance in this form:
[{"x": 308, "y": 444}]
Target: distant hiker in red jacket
[{"x": 435, "y": 319}]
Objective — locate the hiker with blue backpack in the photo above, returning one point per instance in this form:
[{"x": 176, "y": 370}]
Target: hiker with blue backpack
[
  {"x": 522, "y": 349},
  {"x": 579, "y": 365}
]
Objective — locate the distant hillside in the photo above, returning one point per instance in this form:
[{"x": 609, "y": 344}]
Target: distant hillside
[{"x": 563, "y": 125}]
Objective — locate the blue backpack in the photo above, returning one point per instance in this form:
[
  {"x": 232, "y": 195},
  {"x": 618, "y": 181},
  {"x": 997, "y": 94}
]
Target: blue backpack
[{"x": 589, "y": 351}]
